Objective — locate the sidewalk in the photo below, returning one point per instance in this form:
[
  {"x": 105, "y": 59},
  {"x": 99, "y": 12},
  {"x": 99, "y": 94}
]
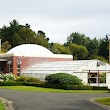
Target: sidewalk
[
  {"x": 8, "y": 104},
  {"x": 105, "y": 106}
]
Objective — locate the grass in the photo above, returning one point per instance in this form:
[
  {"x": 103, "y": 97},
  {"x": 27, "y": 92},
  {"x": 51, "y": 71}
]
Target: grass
[
  {"x": 104, "y": 101},
  {"x": 2, "y": 106},
  {"x": 40, "y": 89}
]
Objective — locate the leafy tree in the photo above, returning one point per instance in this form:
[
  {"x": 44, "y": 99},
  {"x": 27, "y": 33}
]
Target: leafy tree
[
  {"x": 78, "y": 51},
  {"x": 17, "y": 34},
  {"x": 59, "y": 49},
  {"x": 17, "y": 40},
  {"x": 5, "y": 46},
  {"x": 103, "y": 49},
  {"x": 93, "y": 47},
  {"x": 42, "y": 40},
  {"x": 99, "y": 58},
  {"x": 7, "y": 32},
  {"x": 78, "y": 38},
  {"x": 83, "y": 52},
  {"x": 27, "y": 35}
]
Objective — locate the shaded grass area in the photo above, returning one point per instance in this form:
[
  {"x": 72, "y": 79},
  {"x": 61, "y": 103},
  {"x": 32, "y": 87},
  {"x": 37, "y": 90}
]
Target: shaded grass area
[
  {"x": 104, "y": 101},
  {"x": 2, "y": 107},
  {"x": 40, "y": 89}
]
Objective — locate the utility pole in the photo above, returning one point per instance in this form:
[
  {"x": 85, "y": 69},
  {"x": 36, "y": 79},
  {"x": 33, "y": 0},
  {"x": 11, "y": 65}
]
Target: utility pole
[
  {"x": 109, "y": 51},
  {"x": 109, "y": 48},
  {"x": 0, "y": 45}
]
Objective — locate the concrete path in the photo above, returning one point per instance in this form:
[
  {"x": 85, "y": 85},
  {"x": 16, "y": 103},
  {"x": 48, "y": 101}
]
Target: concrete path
[{"x": 51, "y": 101}]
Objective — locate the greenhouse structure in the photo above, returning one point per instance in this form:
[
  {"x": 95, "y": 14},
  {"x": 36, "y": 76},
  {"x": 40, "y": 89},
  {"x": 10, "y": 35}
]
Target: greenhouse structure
[
  {"x": 91, "y": 72},
  {"x": 37, "y": 61}
]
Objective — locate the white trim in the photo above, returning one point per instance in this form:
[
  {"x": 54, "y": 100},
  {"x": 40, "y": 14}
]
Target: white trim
[{"x": 3, "y": 59}]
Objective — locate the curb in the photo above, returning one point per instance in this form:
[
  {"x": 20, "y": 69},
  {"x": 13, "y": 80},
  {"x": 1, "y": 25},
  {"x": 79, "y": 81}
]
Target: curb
[
  {"x": 8, "y": 104},
  {"x": 104, "y": 106}
]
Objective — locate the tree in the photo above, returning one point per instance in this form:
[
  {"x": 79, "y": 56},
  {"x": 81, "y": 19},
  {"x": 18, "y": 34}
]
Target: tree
[
  {"x": 83, "y": 52},
  {"x": 27, "y": 35},
  {"x": 99, "y": 58},
  {"x": 7, "y": 33},
  {"x": 78, "y": 38},
  {"x": 103, "y": 49},
  {"x": 42, "y": 40},
  {"x": 5, "y": 46},
  {"x": 17, "y": 34},
  {"x": 59, "y": 49},
  {"x": 78, "y": 51},
  {"x": 93, "y": 47}
]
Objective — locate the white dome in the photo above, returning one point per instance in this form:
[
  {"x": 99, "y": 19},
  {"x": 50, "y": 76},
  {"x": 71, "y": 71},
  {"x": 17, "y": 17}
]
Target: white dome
[{"x": 30, "y": 50}]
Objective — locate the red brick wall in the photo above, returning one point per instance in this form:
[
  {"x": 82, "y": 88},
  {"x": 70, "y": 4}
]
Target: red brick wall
[
  {"x": 14, "y": 65},
  {"x": 27, "y": 62}
]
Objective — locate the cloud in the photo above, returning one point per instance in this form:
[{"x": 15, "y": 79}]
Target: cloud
[{"x": 59, "y": 18}]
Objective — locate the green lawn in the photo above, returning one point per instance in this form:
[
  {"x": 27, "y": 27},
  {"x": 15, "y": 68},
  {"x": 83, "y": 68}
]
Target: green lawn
[
  {"x": 104, "y": 101},
  {"x": 2, "y": 106},
  {"x": 39, "y": 89}
]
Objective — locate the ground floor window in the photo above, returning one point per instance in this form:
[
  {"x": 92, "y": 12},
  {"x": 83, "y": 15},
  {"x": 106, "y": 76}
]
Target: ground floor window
[
  {"x": 19, "y": 67},
  {"x": 1, "y": 69},
  {"x": 10, "y": 68},
  {"x": 96, "y": 77},
  {"x": 102, "y": 78},
  {"x": 92, "y": 77},
  {"x": 18, "y": 70}
]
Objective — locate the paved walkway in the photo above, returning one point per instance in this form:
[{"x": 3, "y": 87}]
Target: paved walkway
[{"x": 51, "y": 101}]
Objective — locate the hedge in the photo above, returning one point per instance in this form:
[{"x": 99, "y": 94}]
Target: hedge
[
  {"x": 72, "y": 87},
  {"x": 11, "y": 83},
  {"x": 55, "y": 86}
]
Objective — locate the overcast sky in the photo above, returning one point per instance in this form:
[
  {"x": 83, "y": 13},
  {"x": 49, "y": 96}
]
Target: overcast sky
[{"x": 59, "y": 18}]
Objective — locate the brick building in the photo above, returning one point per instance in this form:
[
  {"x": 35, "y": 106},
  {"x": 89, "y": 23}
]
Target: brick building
[
  {"x": 20, "y": 58},
  {"x": 37, "y": 61}
]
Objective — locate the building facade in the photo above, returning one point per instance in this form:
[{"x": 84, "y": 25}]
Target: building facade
[
  {"x": 37, "y": 61},
  {"x": 18, "y": 59}
]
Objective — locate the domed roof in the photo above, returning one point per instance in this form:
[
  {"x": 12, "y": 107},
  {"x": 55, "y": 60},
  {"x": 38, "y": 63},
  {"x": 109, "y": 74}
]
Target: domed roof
[{"x": 30, "y": 50}]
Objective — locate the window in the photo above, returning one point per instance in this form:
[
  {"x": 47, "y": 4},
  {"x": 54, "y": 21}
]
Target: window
[
  {"x": 102, "y": 78},
  {"x": 1, "y": 70},
  {"x": 18, "y": 67},
  {"x": 92, "y": 77},
  {"x": 18, "y": 70},
  {"x": 10, "y": 68},
  {"x": 97, "y": 77}
]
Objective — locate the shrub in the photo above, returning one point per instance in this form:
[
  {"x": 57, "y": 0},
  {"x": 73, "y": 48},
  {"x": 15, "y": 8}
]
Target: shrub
[
  {"x": 7, "y": 77},
  {"x": 62, "y": 78},
  {"x": 35, "y": 80},
  {"x": 28, "y": 79},
  {"x": 22, "y": 79},
  {"x": 11, "y": 83}
]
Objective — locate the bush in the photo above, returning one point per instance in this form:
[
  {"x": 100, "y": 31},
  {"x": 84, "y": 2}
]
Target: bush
[
  {"x": 35, "y": 80},
  {"x": 62, "y": 78},
  {"x": 7, "y": 77},
  {"x": 11, "y": 83},
  {"x": 28, "y": 79},
  {"x": 22, "y": 79}
]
